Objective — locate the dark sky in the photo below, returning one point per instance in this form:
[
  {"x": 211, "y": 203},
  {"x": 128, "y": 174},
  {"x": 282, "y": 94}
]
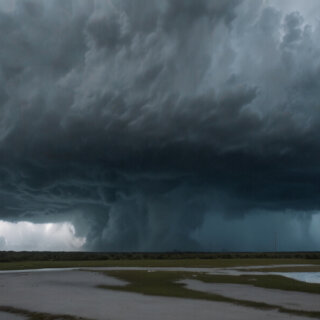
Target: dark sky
[{"x": 163, "y": 125}]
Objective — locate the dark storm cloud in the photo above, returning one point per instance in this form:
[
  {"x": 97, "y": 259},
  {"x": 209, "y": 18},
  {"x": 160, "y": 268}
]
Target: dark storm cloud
[{"x": 137, "y": 120}]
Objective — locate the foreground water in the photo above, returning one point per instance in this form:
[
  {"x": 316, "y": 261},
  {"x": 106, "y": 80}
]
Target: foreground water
[
  {"x": 76, "y": 293},
  {"x": 38, "y": 270},
  {"x": 310, "y": 277}
]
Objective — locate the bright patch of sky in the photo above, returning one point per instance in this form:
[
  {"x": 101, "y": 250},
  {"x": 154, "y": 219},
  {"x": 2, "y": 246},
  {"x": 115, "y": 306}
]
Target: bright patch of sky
[
  {"x": 309, "y": 9},
  {"x": 24, "y": 236}
]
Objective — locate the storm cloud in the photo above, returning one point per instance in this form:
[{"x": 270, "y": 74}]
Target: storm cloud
[{"x": 153, "y": 125}]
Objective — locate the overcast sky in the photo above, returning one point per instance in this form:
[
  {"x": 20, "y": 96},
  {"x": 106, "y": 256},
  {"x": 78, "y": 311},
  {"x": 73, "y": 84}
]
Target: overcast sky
[{"x": 160, "y": 125}]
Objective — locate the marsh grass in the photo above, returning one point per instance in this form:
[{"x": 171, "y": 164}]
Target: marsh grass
[
  {"x": 187, "y": 263},
  {"x": 166, "y": 283}
]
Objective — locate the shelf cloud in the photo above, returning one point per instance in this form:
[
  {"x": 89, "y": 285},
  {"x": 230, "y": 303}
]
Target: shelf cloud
[{"x": 147, "y": 124}]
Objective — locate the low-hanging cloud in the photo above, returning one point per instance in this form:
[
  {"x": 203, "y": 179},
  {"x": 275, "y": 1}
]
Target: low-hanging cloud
[{"x": 136, "y": 121}]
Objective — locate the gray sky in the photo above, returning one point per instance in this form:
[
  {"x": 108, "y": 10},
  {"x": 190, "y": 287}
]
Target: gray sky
[{"x": 148, "y": 125}]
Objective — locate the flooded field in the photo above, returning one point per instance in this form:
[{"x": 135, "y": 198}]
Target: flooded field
[{"x": 70, "y": 293}]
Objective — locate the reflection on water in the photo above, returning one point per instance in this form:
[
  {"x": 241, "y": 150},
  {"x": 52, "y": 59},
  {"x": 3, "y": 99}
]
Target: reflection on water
[
  {"x": 310, "y": 277},
  {"x": 38, "y": 270}
]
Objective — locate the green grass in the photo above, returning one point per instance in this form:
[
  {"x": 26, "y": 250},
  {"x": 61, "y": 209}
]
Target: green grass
[
  {"x": 188, "y": 263},
  {"x": 164, "y": 283},
  {"x": 30, "y": 315},
  {"x": 160, "y": 283}
]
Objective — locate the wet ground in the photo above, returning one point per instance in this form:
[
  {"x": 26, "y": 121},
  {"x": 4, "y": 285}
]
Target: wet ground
[{"x": 75, "y": 292}]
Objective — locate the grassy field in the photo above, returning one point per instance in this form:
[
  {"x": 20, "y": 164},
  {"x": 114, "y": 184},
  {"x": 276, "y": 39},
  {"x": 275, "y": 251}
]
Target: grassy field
[
  {"x": 31, "y": 260},
  {"x": 187, "y": 263},
  {"x": 162, "y": 283}
]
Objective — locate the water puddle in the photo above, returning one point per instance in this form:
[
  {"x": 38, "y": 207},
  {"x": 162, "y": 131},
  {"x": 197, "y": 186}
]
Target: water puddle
[
  {"x": 309, "y": 277},
  {"x": 38, "y": 270}
]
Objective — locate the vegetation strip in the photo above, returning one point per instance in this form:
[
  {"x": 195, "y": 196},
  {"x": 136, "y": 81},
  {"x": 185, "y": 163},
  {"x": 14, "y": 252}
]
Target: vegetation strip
[
  {"x": 165, "y": 283},
  {"x": 7, "y": 256},
  {"x": 186, "y": 263},
  {"x": 31, "y": 315}
]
